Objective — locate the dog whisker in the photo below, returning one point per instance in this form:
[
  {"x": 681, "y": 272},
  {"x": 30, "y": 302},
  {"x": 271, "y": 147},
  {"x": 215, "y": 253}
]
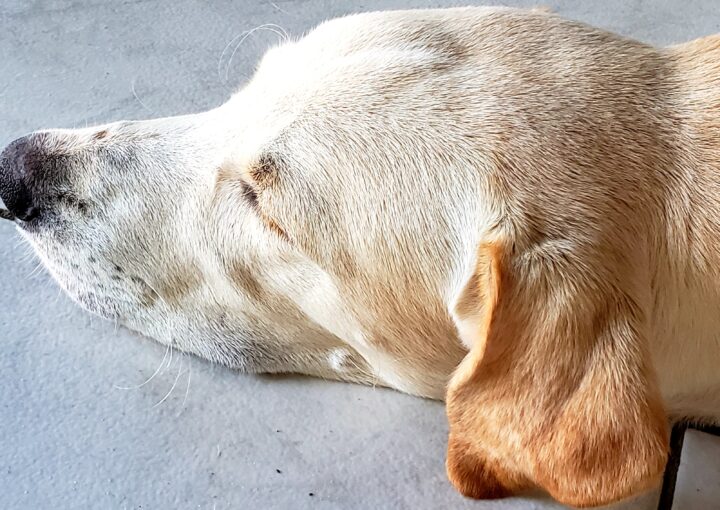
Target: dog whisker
[
  {"x": 36, "y": 270},
  {"x": 279, "y": 9},
  {"x": 268, "y": 26},
  {"x": 187, "y": 389},
  {"x": 134, "y": 92},
  {"x": 285, "y": 35},
  {"x": 157, "y": 371},
  {"x": 171, "y": 355},
  {"x": 222, "y": 54},
  {"x": 177, "y": 378},
  {"x": 58, "y": 295},
  {"x": 237, "y": 46}
]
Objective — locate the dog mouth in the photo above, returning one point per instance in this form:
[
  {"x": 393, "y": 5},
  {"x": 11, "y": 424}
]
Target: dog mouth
[
  {"x": 7, "y": 215},
  {"x": 27, "y": 224}
]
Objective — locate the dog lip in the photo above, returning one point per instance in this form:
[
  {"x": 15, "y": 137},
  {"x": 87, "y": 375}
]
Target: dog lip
[
  {"x": 7, "y": 215},
  {"x": 30, "y": 224}
]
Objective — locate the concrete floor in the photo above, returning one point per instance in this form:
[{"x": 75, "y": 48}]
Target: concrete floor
[{"x": 71, "y": 438}]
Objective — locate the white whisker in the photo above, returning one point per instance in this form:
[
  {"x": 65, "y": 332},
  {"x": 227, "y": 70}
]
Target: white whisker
[
  {"x": 278, "y": 28},
  {"x": 58, "y": 295},
  {"x": 173, "y": 386},
  {"x": 219, "y": 66},
  {"x": 268, "y": 26},
  {"x": 38, "y": 267},
  {"x": 279, "y": 9},
  {"x": 187, "y": 388},
  {"x": 132, "y": 88},
  {"x": 171, "y": 354},
  {"x": 157, "y": 371}
]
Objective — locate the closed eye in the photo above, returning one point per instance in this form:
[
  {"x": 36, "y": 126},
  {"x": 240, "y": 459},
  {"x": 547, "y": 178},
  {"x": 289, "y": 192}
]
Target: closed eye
[{"x": 249, "y": 194}]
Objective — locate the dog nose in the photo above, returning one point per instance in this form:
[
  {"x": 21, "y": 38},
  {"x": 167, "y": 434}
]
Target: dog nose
[{"x": 15, "y": 162}]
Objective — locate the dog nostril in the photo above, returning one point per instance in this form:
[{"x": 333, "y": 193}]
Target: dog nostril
[{"x": 14, "y": 189}]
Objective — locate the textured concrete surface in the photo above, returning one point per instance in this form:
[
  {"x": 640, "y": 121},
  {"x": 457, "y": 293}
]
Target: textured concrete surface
[{"x": 199, "y": 436}]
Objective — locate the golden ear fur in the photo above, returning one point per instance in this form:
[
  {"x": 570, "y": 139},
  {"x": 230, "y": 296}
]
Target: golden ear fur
[{"x": 557, "y": 391}]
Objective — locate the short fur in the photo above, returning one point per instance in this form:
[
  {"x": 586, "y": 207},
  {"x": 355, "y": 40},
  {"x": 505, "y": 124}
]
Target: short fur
[{"x": 515, "y": 208}]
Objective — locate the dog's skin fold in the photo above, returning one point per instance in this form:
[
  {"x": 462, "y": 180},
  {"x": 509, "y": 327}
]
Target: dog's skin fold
[{"x": 499, "y": 207}]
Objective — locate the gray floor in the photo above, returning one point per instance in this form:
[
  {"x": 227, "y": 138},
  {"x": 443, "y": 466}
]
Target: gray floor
[{"x": 199, "y": 436}]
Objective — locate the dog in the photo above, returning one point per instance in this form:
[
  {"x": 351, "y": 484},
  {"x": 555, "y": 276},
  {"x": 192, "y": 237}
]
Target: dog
[{"x": 501, "y": 208}]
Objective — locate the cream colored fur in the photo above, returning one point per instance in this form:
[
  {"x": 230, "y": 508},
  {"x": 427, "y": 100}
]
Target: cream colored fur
[{"x": 340, "y": 214}]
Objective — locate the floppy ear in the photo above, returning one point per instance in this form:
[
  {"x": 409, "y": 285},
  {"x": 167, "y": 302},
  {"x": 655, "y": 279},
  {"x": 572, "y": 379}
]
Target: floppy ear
[{"x": 557, "y": 391}]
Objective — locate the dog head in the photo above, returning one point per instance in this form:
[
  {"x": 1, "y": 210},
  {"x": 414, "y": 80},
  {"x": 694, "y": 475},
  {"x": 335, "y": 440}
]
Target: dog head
[
  {"x": 140, "y": 223},
  {"x": 280, "y": 231},
  {"x": 349, "y": 203}
]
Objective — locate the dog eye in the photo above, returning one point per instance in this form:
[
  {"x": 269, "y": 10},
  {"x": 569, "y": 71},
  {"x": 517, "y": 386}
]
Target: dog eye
[{"x": 249, "y": 194}]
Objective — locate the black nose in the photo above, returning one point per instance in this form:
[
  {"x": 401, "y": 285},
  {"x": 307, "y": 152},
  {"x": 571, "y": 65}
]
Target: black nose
[{"x": 15, "y": 166}]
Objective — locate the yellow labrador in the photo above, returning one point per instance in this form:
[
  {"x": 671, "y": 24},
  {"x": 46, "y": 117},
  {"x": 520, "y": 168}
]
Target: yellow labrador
[{"x": 499, "y": 207}]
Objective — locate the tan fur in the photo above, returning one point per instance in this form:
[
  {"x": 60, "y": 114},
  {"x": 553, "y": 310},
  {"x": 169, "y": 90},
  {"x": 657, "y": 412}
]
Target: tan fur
[
  {"x": 179, "y": 285},
  {"x": 559, "y": 390},
  {"x": 511, "y": 210},
  {"x": 554, "y": 393}
]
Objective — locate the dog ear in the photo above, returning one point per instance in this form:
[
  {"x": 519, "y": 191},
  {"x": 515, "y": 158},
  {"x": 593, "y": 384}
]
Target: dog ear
[{"x": 557, "y": 391}]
